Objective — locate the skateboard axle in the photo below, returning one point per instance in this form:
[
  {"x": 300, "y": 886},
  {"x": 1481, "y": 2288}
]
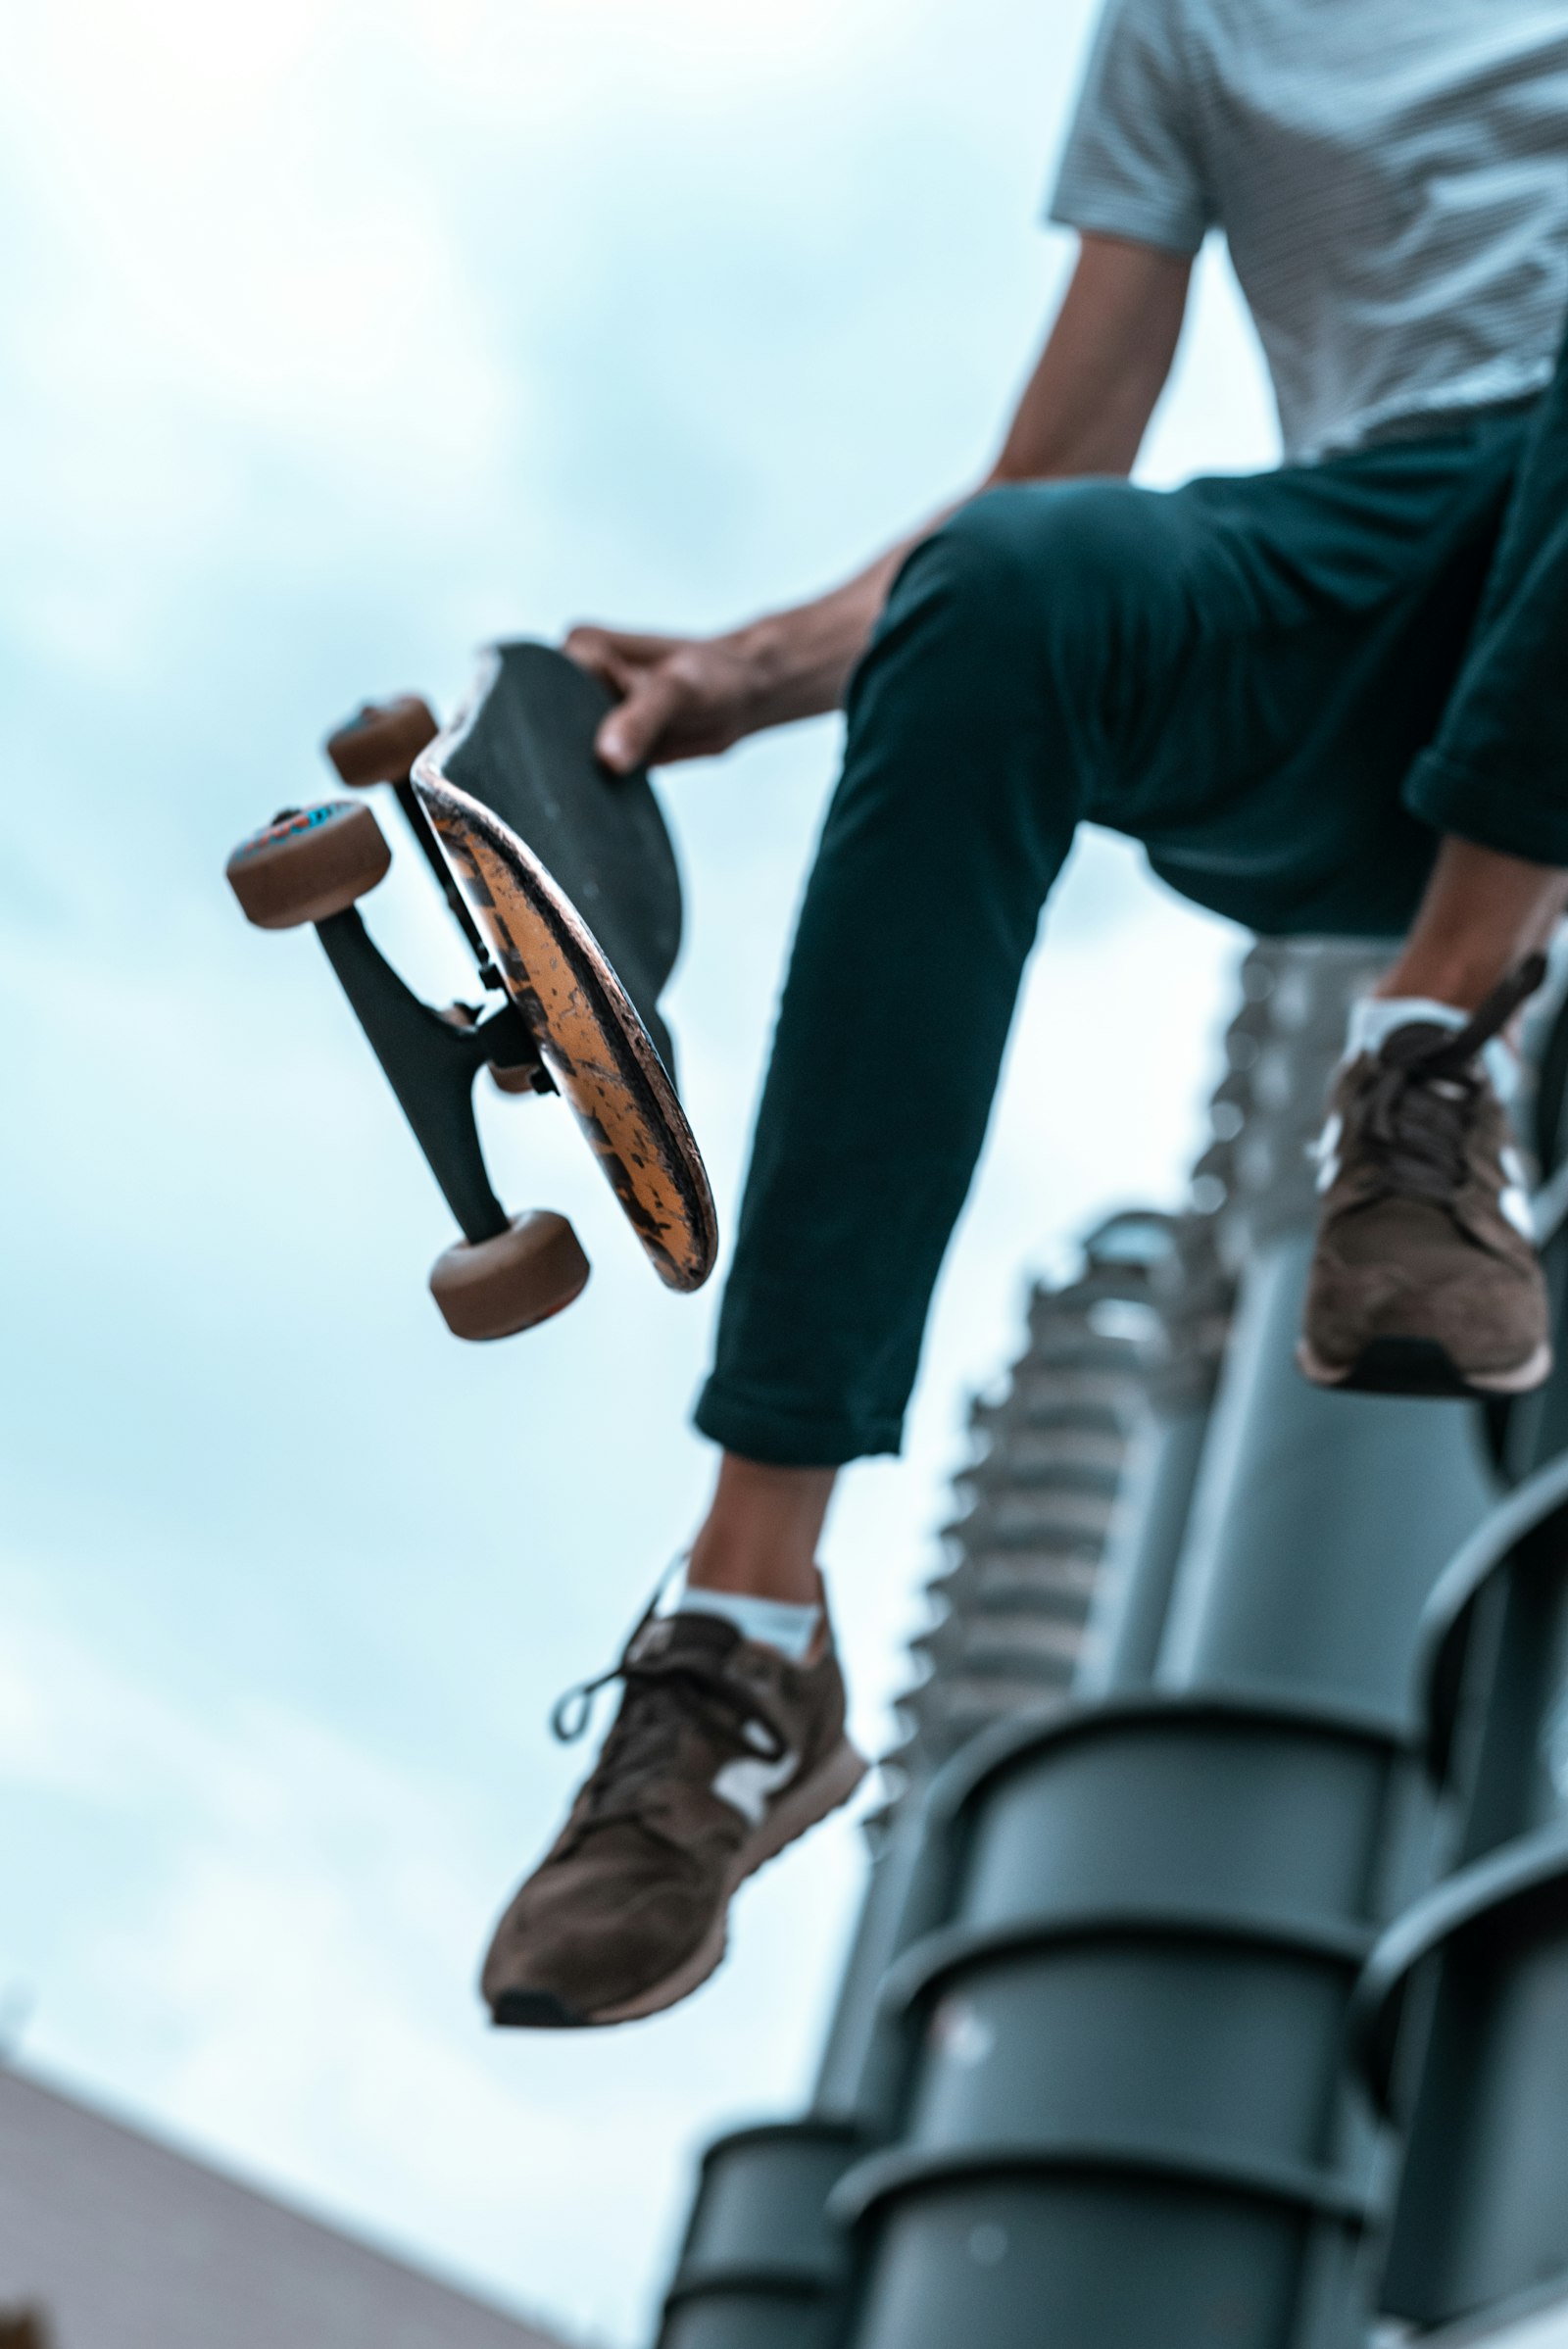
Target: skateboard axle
[{"x": 430, "y": 1064}]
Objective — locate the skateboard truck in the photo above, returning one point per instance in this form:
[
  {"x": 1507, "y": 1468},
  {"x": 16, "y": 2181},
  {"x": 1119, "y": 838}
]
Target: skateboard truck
[
  {"x": 312, "y": 865},
  {"x": 379, "y": 745}
]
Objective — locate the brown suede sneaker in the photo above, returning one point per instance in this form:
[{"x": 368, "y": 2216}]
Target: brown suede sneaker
[
  {"x": 1425, "y": 1278},
  {"x": 722, "y": 1752}
]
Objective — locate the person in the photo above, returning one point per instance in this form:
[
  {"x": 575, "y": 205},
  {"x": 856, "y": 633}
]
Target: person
[{"x": 1259, "y": 678}]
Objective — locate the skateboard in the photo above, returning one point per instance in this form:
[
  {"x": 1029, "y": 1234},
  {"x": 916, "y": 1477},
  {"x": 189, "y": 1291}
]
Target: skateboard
[{"x": 563, "y": 880}]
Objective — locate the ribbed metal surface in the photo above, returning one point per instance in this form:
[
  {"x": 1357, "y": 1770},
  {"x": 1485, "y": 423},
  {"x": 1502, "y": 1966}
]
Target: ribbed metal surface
[
  {"x": 1463, "y": 2012},
  {"x": 762, "y": 2262},
  {"x": 1136, "y": 2013},
  {"x": 1059, "y": 1464}
]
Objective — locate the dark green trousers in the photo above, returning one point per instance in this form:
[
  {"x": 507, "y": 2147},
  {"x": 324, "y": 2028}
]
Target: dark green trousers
[{"x": 1243, "y": 674}]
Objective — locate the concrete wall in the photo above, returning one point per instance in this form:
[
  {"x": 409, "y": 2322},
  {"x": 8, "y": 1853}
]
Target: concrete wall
[{"x": 124, "y": 2244}]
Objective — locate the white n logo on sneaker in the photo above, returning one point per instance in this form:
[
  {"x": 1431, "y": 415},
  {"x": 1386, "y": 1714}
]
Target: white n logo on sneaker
[
  {"x": 746, "y": 1784},
  {"x": 1513, "y": 1201},
  {"x": 1326, "y": 1151}
]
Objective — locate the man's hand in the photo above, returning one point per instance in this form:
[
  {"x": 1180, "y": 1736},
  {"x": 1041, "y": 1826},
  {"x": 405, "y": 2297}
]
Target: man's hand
[{"x": 677, "y": 697}]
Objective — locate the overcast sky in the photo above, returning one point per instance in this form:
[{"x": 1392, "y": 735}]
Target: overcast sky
[{"x": 338, "y": 338}]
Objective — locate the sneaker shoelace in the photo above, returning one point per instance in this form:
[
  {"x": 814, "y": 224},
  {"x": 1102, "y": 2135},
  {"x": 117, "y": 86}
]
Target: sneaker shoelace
[
  {"x": 1415, "y": 1115},
  {"x": 664, "y": 1687}
]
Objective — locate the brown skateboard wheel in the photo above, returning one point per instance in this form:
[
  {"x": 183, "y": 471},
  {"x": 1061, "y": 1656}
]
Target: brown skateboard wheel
[
  {"x": 308, "y": 863},
  {"x": 382, "y": 744},
  {"x": 494, "y": 1288}
]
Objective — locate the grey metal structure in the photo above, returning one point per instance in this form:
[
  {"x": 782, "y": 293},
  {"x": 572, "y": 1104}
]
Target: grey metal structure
[
  {"x": 1009, "y": 1900},
  {"x": 1192, "y": 1293},
  {"x": 1463, "y": 2012},
  {"x": 1056, "y": 1489}
]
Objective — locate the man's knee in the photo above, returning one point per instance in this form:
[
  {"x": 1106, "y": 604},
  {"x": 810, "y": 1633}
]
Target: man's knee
[
  {"x": 1027, "y": 562},
  {"x": 991, "y": 653}
]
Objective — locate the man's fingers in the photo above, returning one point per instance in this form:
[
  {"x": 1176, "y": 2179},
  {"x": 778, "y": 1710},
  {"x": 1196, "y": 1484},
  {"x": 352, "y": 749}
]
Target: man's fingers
[
  {"x": 603, "y": 648},
  {"x": 659, "y": 701},
  {"x": 592, "y": 649},
  {"x": 630, "y": 734}
]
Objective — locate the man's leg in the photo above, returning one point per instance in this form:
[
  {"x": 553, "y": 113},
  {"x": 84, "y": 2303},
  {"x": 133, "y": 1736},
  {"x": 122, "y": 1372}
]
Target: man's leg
[
  {"x": 1425, "y": 1279},
  {"x": 964, "y": 773},
  {"x": 1498, "y": 773},
  {"x": 964, "y": 780},
  {"x": 960, "y": 792},
  {"x": 1497, "y": 777},
  {"x": 1483, "y": 913}
]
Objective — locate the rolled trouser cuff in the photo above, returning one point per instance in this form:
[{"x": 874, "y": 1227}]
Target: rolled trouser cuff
[
  {"x": 1516, "y": 813},
  {"x": 782, "y": 1437}
]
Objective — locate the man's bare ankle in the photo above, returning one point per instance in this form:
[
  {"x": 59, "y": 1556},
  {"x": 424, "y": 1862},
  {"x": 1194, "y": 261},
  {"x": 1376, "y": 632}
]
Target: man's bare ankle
[
  {"x": 752, "y": 1571},
  {"x": 760, "y": 1537}
]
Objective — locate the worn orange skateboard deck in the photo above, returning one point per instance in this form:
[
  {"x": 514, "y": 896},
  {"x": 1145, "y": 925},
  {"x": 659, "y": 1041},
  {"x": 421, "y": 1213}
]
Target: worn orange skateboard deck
[{"x": 584, "y": 1024}]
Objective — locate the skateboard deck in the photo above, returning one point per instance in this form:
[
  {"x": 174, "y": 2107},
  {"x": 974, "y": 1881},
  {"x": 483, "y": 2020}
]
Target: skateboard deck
[
  {"x": 569, "y": 876},
  {"x": 523, "y": 747}
]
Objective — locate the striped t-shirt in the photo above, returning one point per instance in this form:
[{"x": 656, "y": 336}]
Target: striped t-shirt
[{"x": 1392, "y": 176}]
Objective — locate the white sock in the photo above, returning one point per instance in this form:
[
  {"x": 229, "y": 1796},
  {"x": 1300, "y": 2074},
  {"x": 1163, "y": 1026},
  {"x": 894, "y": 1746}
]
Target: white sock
[
  {"x": 773, "y": 1622},
  {"x": 1373, "y": 1018}
]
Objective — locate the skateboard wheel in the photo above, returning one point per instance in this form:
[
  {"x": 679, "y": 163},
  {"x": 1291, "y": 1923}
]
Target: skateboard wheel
[
  {"x": 494, "y": 1288},
  {"x": 308, "y": 863},
  {"x": 382, "y": 744}
]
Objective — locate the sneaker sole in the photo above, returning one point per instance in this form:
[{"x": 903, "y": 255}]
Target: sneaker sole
[
  {"x": 1419, "y": 1367},
  {"x": 829, "y": 1785}
]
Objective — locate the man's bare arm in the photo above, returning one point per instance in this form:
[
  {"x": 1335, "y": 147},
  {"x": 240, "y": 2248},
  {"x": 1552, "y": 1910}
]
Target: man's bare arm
[{"x": 1085, "y": 409}]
